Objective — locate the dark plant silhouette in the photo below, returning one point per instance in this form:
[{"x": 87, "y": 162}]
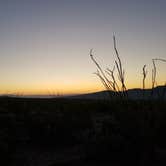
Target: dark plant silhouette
[
  {"x": 111, "y": 73},
  {"x": 121, "y": 72},
  {"x": 159, "y": 59},
  {"x": 107, "y": 77},
  {"x": 154, "y": 71},
  {"x": 153, "y": 74},
  {"x": 144, "y": 77},
  {"x": 100, "y": 73}
]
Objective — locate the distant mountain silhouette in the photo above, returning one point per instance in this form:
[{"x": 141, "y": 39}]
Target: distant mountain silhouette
[{"x": 133, "y": 94}]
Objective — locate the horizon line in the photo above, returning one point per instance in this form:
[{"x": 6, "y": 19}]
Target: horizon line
[{"x": 64, "y": 95}]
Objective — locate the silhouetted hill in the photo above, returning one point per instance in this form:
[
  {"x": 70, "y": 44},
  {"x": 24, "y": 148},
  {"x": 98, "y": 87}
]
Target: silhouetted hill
[{"x": 134, "y": 94}]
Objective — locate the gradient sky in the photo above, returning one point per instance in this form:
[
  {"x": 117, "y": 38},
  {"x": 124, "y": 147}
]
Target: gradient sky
[{"x": 44, "y": 44}]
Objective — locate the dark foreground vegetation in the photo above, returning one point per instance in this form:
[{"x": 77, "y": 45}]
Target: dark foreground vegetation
[{"x": 75, "y": 132}]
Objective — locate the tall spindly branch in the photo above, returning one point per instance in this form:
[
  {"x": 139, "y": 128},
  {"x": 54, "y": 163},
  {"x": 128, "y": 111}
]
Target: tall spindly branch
[
  {"x": 144, "y": 76},
  {"x": 121, "y": 72},
  {"x": 153, "y": 74},
  {"x": 100, "y": 73},
  {"x": 108, "y": 78}
]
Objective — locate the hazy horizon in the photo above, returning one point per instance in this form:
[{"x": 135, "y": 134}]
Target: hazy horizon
[{"x": 44, "y": 44}]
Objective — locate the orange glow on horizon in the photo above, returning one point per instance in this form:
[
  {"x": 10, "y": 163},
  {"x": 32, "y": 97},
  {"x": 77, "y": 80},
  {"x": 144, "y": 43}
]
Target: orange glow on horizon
[
  {"x": 52, "y": 89},
  {"x": 64, "y": 89}
]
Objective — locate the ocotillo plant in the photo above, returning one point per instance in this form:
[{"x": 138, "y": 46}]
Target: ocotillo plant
[
  {"x": 159, "y": 59},
  {"x": 111, "y": 73},
  {"x": 121, "y": 72},
  {"x": 144, "y": 77},
  {"x": 110, "y": 83},
  {"x": 154, "y": 72}
]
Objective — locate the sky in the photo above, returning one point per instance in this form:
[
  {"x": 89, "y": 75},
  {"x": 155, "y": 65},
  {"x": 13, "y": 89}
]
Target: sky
[{"x": 44, "y": 44}]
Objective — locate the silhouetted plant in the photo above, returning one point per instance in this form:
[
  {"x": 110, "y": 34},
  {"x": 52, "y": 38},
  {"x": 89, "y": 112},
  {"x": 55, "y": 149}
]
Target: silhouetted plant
[
  {"x": 121, "y": 72},
  {"x": 159, "y": 59},
  {"x": 153, "y": 74},
  {"x": 118, "y": 88},
  {"x": 107, "y": 77},
  {"x": 111, "y": 73},
  {"x": 144, "y": 77},
  {"x": 154, "y": 71},
  {"x": 108, "y": 84}
]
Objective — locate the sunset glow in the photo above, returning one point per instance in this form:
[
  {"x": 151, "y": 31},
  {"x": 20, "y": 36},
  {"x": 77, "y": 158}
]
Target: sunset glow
[{"x": 44, "y": 44}]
